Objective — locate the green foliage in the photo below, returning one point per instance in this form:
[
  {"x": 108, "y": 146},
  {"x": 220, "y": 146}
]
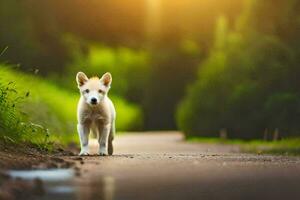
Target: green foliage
[
  {"x": 30, "y": 33},
  {"x": 47, "y": 104},
  {"x": 15, "y": 126},
  {"x": 51, "y": 107},
  {"x": 286, "y": 146},
  {"x": 248, "y": 84}
]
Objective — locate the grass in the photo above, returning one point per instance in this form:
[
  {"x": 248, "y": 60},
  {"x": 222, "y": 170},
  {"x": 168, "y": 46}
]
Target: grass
[
  {"x": 43, "y": 105},
  {"x": 14, "y": 126},
  {"x": 287, "y": 146}
]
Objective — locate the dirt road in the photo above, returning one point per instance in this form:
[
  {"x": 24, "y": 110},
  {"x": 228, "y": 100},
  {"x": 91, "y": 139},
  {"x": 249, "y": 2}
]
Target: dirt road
[{"x": 162, "y": 166}]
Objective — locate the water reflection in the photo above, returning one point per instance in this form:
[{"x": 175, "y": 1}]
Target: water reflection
[
  {"x": 50, "y": 175},
  {"x": 109, "y": 187},
  {"x": 62, "y": 184},
  {"x": 98, "y": 188},
  {"x": 56, "y": 182}
]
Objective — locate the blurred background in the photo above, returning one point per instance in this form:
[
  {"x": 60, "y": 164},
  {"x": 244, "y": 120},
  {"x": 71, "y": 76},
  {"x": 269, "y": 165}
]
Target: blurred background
[{"x": 211, "y": 68}]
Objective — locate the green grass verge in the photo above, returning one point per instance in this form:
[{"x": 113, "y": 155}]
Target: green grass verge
[
  {"x": 47, "y": 106},
  {"x": 287, "y": 146}
]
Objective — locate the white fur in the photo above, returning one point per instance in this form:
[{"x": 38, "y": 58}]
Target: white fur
[{"x": 98, "y": 117}]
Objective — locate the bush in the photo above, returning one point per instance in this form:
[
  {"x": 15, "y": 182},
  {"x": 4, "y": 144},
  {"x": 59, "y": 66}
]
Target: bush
[
  {"x": 246, "y": 86},
  {"x": 14, "y": 126}
]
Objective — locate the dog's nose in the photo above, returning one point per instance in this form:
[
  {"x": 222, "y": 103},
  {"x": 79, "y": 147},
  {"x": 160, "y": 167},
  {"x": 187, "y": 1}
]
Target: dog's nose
[{"x": 93, "y": 100}]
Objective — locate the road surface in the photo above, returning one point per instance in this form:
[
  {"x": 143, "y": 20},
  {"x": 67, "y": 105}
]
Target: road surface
[{"x": 154, "y": 166}]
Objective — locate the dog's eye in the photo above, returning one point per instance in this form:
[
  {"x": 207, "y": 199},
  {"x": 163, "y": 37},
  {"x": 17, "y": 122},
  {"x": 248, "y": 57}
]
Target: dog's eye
[
  {"x": 101, "y": 91},
  {"x": 87, "y": 90}
]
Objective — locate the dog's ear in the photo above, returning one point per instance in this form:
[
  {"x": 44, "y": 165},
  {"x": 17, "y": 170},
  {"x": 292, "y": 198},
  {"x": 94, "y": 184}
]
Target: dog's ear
[
  {"x": 81, "y": 78},
  {"x": 106, "y": 79}
]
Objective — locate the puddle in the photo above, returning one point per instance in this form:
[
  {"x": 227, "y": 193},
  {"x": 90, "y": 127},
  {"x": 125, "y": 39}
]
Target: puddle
[
  {"x": 44, "y": 175},
  {"x": 57, "y": 182}
]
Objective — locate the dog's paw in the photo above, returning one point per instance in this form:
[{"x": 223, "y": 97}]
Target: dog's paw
[
  {"x": 102, "y": 151},
  {"x": 102, "y": 154},
  {"x": 83, "y": 153}
]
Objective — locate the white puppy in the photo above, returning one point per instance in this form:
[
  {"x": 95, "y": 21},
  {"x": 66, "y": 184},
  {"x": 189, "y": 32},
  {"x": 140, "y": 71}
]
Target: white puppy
[{"x": 95, "y": 113}]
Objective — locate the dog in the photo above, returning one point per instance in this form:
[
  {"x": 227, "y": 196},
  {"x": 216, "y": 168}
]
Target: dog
[{"x": 95, "y": 113}]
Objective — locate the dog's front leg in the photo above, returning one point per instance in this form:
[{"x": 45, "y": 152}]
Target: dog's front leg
[
  {"x": 83, "y": 131},
  {"x": 103, "y": 139}
]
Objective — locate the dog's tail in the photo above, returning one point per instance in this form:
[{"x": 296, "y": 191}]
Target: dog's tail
[{"x": 111, "y": 138}]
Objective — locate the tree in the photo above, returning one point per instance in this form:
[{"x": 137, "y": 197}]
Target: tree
[{"x": 248, "y": 83}]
